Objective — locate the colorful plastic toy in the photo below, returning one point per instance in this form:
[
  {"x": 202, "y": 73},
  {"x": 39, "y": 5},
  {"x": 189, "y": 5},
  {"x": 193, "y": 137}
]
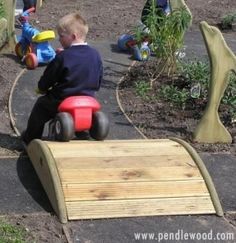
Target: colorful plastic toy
[
  {"x": 140, "y": 49},
  {"x": 127, "y": 42},
  {"x": 33, "y": 47},
  {"x": 77, "y": 114}
]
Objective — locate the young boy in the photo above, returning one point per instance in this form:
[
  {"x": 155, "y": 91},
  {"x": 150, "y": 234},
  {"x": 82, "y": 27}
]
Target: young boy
[{"x": 77, "y": 70}]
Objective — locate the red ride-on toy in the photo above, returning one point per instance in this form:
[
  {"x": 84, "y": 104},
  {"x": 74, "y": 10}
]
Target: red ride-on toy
[{"x": 77, "y": 114}]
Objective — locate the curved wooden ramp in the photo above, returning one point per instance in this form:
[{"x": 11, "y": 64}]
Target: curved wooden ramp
[{"x": 123, "y": 178}]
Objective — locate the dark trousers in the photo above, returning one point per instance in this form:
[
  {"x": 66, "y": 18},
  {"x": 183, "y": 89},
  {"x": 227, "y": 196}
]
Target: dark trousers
[
  {"x": 160, "y": 4},
  {"x": 44, "y": 109},
  {"x": 29, "y": 4}
]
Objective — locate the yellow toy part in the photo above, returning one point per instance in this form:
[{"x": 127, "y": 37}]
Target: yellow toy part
[{"x": 44, "y": 36}]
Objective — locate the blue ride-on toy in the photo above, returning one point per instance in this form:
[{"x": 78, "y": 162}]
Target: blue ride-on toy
[
  {"x": 33, "y": 46},
  {"x": 141, "y": 51}
]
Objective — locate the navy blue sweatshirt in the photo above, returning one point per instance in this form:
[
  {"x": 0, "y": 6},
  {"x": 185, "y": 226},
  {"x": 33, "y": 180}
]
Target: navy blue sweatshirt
[{"x": 74, "y": 71}]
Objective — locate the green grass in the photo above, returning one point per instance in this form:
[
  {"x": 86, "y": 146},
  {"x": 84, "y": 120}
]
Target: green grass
[{"x": 12, "y": 234}]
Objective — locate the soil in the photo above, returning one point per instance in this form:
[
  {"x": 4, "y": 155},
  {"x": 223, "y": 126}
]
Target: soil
[
  {"x": 107, "y": 19},
  {"x": 161, "y": 118}
]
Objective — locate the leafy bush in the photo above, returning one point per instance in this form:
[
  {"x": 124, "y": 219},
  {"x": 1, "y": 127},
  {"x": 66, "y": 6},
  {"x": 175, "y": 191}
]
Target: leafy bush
[
  {"x": 199, "y": 71},
  {"x": 174, "y": 95},
  {"x": 142, "y": 88},
  {"x": 196, "y": 72},
  {"x": 228, "y": 20}
]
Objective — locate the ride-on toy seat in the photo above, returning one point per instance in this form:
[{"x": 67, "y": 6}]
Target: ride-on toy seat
[
  {"x": 77, "y": 114},
  {"x": 46, "y": 35}
]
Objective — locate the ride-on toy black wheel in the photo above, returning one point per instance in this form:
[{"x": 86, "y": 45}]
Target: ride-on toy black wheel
[
  {"x": 64, "y": 127},
  {"x": 100, "y": 126}
]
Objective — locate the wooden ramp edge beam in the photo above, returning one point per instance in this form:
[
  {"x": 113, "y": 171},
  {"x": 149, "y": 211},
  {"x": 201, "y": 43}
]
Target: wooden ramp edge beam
[
  {"x": 206, "y": 176},
  {"x": 45, "y": 167},
  {"x": 123, "y": 178}
]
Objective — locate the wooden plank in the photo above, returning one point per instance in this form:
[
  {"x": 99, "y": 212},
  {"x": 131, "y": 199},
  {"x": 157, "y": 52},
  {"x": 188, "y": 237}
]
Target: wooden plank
[
  {"x": 114, "y": 149},
  {"x": 127, "y": 162},
  {"x": 139, "y": 207},
  {"x": 114, "y": 141},
  {"x": 134, "y": 190},
  {"x": 129, "y": 174}
]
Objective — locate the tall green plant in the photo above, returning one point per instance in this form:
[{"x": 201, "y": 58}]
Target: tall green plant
[{"x": 166, "y": 34}]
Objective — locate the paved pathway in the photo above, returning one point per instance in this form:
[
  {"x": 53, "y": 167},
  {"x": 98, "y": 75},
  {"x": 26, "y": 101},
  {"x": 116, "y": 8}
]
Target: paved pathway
[
  {"x": 23, "y": 194},
  {"x": 19, "y": 7}
]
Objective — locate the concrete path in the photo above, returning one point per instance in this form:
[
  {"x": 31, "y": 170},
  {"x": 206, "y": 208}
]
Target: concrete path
[
  {"x": 23, "y": 193},
  {"x": 19, "y": 7}
]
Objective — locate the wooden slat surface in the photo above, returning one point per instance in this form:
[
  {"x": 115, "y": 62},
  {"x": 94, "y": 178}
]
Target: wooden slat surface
[
  {"x": 125, "y": 162},
  {"x": 140, "y": 207},
  {"x": 123, "y": 178},
  {"x": 134, "y": 190},
  {"x": 115, "y": 149},
  {"x": 129, "y": 174}
]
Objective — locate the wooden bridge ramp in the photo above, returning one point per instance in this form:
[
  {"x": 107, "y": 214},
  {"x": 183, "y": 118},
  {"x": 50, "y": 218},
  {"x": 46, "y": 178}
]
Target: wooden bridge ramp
[{"x": 123, "y": 178}]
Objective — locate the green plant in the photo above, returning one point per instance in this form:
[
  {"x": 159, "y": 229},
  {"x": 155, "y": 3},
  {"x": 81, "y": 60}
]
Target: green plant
[
  {"x": 199, "y": 71},
  {"x": 11, "y": 234},
  {"x": 2, "y": 12},
  {"x": 166, "y": 34},
  {"x": 228, "y": 20},
  {"x": 142, "y": 88},
  {"x": 196, "y": 71},
  {"x": 175, "y": 95},
  {"x": 139, "y": 35},
  {"x": 229, "y": 97}
]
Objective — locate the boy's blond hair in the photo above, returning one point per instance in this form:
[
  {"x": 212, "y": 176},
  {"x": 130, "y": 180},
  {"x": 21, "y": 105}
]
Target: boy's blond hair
[{"x": 73, "y": 23}]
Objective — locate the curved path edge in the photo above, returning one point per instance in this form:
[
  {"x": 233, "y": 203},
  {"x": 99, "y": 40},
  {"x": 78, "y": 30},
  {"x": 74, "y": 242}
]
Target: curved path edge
[
  {"x": 12, "y": 120},
  {"x": 120, "y": 105}
]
